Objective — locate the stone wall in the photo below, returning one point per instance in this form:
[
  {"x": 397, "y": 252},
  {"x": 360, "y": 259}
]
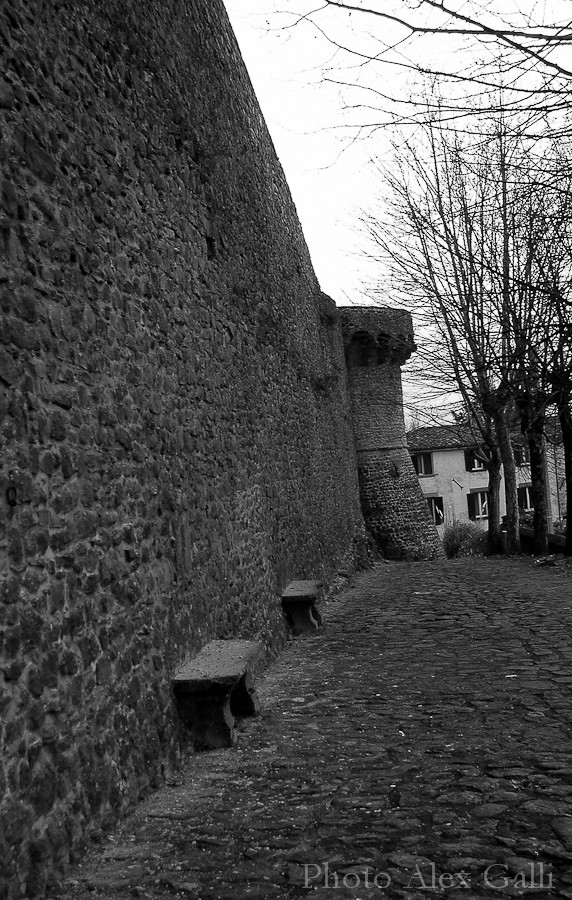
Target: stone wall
[
  {"x": 176, "y": 441},
  {"x": 377, "y": 342}
]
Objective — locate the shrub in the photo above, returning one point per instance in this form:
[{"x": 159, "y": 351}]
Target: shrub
[
  {"x": 525, "y": 518},
  {"x": 464, "y": 539}
]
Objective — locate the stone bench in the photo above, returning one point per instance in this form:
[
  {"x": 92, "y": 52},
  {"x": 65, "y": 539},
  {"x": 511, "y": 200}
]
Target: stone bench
[
  {"x": 213, "y": 688},
  {"x": 299, "y": 603}
]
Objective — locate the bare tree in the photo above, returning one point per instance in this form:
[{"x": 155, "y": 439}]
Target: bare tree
[
  {"x": 540, "y": 313},
  {"x": 437, "y": 217},
  {"x": 483, "y": 46},
  {"x": 471, "y": 232},
  {"x": 551, "y": 343}
]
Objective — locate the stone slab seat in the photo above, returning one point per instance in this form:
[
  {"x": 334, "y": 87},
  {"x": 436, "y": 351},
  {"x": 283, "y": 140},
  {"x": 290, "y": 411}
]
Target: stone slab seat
[
  {"x": 299, "y": 603},
  {"x": 213, "y": 688}
]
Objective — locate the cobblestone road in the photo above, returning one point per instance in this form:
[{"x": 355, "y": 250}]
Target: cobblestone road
[{"x": 419, "y": 745}]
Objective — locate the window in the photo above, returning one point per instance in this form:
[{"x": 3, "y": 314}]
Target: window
[
  {"x": 473, "y": 460},
  {"x": 521, "y": 456},
  {"x": 524, "y": 496},
  {"x": 477, "y": 503},
  {"x": 423, "y": 463},
  {"x": 435, "y": 505}
]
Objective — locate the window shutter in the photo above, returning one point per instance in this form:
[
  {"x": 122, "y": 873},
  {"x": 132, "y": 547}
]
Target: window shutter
[
  {"x": 469, "y": 457},
  {"x": 472, "y": 505}
]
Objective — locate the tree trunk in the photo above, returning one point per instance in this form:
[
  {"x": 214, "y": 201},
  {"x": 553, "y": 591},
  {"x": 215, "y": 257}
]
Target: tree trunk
[
  {"x": 565, "y": 416},
  {"x": 533, "y": 428},
  {"x": 510, "y": 487},
  {"x": 494, "y": 532},
  {"x": 537, "y": 450}
]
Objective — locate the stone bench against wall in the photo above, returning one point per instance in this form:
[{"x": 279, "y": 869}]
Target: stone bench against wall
[{"x": 213, "y": 688}]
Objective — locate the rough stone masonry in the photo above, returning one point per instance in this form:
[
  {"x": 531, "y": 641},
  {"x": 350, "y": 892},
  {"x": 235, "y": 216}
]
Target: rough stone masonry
[
  {"x": 177, "y": 441},
  {"x": 377, "y": 342}
]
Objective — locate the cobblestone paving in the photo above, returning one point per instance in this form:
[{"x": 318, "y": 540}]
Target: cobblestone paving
[{"x": 419, "y": 745}]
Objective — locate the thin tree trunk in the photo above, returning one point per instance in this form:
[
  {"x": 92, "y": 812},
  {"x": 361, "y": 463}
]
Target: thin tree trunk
[
  {"x": 565, "y": 416},
  {"x": 537, "y": 450},
  {"x": 494, "y": 532},
  {"x": 510, "y": 487},
  {"x": 532, "y": 423}
]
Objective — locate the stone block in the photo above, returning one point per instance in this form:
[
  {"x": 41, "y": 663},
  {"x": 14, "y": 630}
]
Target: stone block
[{"x": 214, "y": 687}]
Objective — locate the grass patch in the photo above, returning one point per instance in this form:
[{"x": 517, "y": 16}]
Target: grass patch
[{"x": 464, "y": 539}]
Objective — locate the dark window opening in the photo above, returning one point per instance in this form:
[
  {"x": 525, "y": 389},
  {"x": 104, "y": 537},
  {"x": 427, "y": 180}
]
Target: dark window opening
[
  {"x": 435, "y": 505},
  {"x": 477, "y": 504},
  {"x": 423, "y": 463},
  {"x": 524, "y": 496},
  {"x": 361, "y": 350},
  {"x": 521, "y": 456},
  {"x": 474, "y": 459}
]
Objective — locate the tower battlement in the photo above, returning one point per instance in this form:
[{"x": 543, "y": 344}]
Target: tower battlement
[
  {"x": 377, "y": 342},
  {"x": 376, "y": 335}
]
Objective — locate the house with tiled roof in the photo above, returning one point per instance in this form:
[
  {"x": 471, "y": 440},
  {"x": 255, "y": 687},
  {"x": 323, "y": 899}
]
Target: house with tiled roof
[{"x": 450, "y": 462}]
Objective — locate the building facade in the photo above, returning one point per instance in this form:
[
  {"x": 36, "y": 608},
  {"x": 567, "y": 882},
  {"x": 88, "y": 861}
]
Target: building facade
[{"x": 452, "y": 472}]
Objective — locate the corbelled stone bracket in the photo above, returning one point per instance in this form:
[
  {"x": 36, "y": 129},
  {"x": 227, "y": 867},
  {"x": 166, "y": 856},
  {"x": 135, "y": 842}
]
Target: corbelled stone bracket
[
  {"x": 299, "y": 603},
  {"x": 213, "y": 688}
]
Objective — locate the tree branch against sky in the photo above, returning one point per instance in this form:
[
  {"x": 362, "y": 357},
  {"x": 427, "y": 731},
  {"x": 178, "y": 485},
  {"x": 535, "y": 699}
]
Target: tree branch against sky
[
  {"x": 529, "y": 40},
  {"x": 471, "y": 56}
]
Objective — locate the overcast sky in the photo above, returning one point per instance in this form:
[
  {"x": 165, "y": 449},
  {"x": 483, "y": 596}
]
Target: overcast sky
[
  {"x": 328, "y": 173},
  {"x": 328, "y": 179}
]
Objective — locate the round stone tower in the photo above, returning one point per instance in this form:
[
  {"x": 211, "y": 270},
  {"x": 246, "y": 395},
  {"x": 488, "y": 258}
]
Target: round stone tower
[{"x": 377, "y": 341}]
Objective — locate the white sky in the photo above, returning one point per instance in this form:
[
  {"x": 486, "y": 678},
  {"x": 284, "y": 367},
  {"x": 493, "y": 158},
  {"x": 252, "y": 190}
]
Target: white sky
[
  {"x": 328, "y": 183},
  {"x": 327, "y": 173}
]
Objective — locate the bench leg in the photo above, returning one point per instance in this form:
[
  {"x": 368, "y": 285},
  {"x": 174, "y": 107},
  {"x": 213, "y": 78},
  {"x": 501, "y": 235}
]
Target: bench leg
[
  {"x": 304, "y": 618},
  {"x": 209, "y": 718},
  {"x": 244, "y": 699}
]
